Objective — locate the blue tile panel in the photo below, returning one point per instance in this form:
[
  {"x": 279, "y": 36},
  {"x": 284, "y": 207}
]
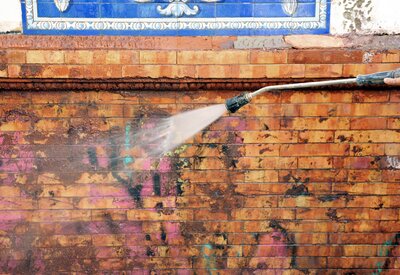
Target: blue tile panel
[{"x": 175, "y": 17}]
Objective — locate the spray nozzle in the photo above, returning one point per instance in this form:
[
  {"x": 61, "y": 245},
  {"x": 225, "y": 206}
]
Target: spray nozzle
[{"x": 235, "y": 103}]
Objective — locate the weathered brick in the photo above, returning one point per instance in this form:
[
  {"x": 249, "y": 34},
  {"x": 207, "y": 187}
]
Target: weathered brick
[
  {"x": 60, "y": 215},
  {"x": 158, "y": 57},
  {"x": 16, "y": 56},
  {"x": 374, "y": 123},
  {"x": 322, "y": 123},
  {"x": 14, "y": 70},
  {"x": 155, "y": 71},
  {"x": 353, "y": 70},
  {"x": 144, "y": 215},
  {"x": 269, "y": 136},
  {"x": 392, "y": 56},
  {"x": 319, "y": 56},
  {"x": 213, "y": 57},
  {"x": 323, "y": 70},
  {"x": 371, "y": 136},
  {"x": 315, "y": 97},
  {"x": 267, "y": 57},
  {"x": 314, "y": 150},
  {"x": 45, "y": 57},
  {"x": 316, "y": 136},
  {"x": 315, "y": 162},
  {"x": 108, "y": 240}
]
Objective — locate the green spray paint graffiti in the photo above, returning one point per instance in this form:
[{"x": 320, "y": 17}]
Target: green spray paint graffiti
[
  {"x": 207, "y": 251},
  {"x": 387, "y": 251}
]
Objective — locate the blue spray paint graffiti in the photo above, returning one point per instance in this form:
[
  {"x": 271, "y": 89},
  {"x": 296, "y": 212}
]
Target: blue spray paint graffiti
[{"x": 128, "y": 159}]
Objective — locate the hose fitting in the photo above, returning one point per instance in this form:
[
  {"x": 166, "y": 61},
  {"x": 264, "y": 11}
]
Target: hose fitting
[{"x": 235, "y": 103}]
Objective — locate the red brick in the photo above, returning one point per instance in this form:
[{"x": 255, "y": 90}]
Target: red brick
[
  {"x": 391, "y": 56},
  {"x": 323, "y": 70},
  {"x": 108, "y": 240},
  {"x": 268, "y": 57},
  {"x": 317, "y": 97},
  {"x": 16, "y": 56},
  {"x": 322, "y": 123},
  {"x": 374, "y": 123},
  {"x": 213, "y": 57},
  {"x": 45, "y": 57},
  {"x": 158, "y": 57},
  {"x": 353, "y": 70},
  {"x": 79, "y": 57},
  {"x": 371, "y": 136},
  {"x": 314, "y": 150},
  {"x": 319, "y": 56},
  {"x": 262, "y": 214},
  {"x": 269, "y": 137},
  {"x": 316, "y": 136},
  {"x": 286, "y": 71},
  {"x": 315, "y": 162},
  {"x": 155, "y": 71}
]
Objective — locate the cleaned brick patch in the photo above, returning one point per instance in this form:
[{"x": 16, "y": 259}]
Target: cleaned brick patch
[{"x": 171, "y": 63}]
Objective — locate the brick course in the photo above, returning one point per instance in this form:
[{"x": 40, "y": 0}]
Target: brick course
[{"x": 296, "y": 182}]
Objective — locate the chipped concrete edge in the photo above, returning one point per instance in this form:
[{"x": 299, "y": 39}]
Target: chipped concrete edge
[{"x": 376, "y": 42}]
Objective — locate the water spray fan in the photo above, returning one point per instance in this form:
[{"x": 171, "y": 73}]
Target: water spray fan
[{"x": 235, "y": 103}]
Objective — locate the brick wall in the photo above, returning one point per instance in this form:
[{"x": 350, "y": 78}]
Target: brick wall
[{"x": 298, "y": 182}]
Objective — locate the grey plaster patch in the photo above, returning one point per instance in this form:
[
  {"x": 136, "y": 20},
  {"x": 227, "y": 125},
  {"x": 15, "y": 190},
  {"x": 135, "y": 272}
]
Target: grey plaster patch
[
  {"x": 260, "y": 42},
  {"x": 385, "y": 42},
  {"x": 356, "y": 14}
]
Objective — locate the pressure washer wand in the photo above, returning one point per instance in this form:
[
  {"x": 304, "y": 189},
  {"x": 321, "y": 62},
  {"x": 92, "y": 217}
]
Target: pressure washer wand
[{"x": 235, "y": 103}]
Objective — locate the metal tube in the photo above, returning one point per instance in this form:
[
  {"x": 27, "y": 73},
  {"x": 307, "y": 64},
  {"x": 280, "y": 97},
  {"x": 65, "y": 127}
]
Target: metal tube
[
  {"x": 303, "y": 85},
  {"x": 237, "y": 102}
]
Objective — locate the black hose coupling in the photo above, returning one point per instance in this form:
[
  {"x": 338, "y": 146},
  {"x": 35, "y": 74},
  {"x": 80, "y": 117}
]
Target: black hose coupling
[
  {"x": 235, "y": 103},
  {"x": 377, "y": 78}
]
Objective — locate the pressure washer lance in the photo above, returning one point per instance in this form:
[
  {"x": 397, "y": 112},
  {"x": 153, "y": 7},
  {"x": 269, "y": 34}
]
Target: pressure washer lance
[{"x": 235, "y": 103}]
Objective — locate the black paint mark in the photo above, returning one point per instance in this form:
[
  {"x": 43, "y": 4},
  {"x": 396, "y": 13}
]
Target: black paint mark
[
  {"x": 156, "y": 184},
  {"x": 27, "y": 266},
  {"x": 163, "y": 235},
  {"x": 333, "y": 197},
  {"x": 230, "y": 153},
  {"x": 134, "y": 191},
  {"x": 51, "y": 193},
  {"x": 322, "y": 119},
  {"x": 179, "y": 190},
  {"x": 159, "y": 206},
  {"x": 289, "y": 177},
  {"x": 332, "y": 214},
  {"x": 266, "y": 127},
  {"x": 148, "y": 238},
  {"x": 93, "y": 156},
  {"x": 150, "y": 252},
  {"x": 267, "y": 149},
  {"x": 297, "y": 190},
  {"x": 114, "y": 227}
]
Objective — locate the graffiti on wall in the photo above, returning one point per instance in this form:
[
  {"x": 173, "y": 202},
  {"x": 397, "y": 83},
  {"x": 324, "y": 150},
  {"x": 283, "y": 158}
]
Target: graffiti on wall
[{"x": 49, "y": 167}]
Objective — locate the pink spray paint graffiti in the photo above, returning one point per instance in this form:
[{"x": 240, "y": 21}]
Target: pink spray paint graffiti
[{"x": 15, "y": 157}]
